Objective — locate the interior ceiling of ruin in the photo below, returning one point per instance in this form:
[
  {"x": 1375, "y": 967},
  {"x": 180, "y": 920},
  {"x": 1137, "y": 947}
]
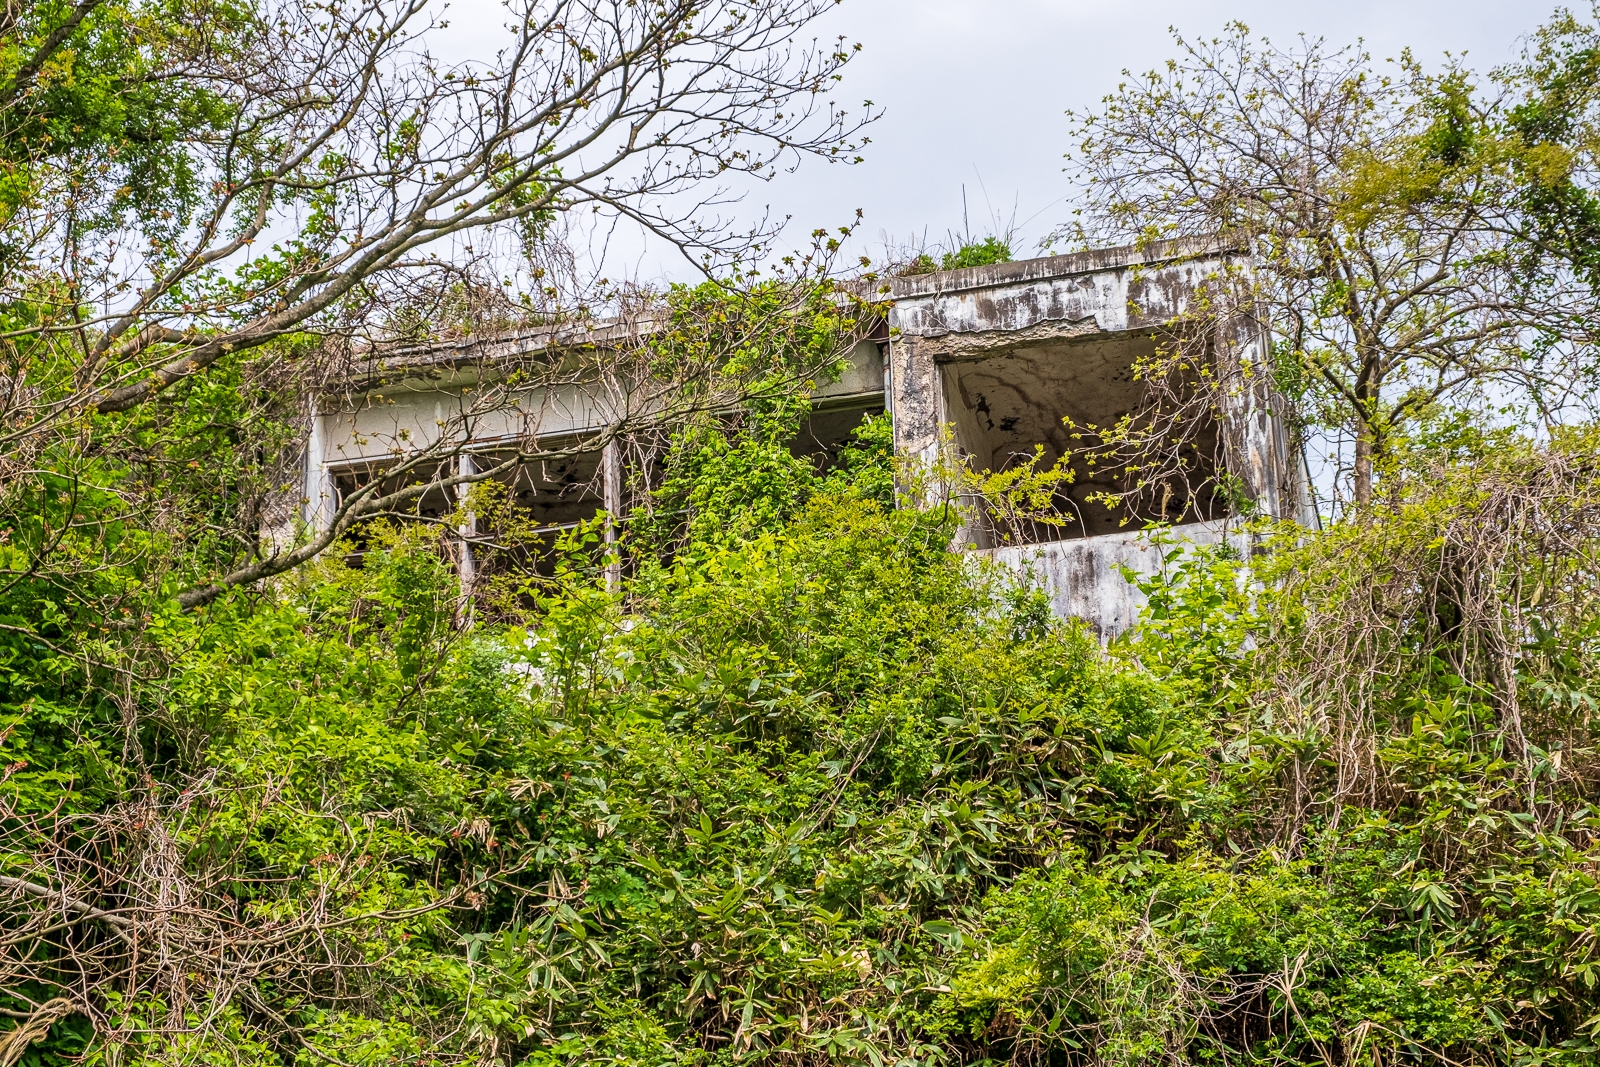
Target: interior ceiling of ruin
[
  {"x": 1018, "y": 399},
  {"x": 1006, "y": 405}
]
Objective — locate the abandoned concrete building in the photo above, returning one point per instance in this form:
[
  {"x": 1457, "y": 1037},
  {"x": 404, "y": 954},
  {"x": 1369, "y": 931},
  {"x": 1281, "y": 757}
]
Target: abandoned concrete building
[{"x": 991, "y": 359}]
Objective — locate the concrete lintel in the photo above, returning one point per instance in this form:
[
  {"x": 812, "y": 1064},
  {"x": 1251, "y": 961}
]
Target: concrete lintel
[
  {"x": 1113, "y": 299},
  {"x": 950, "y": 347}
]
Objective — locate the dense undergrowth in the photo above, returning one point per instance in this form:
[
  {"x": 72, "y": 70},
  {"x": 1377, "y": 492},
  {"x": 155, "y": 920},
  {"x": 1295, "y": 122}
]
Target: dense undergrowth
[
  {"x": 778, "y": 778},
  {"x": 812, "y": 788}
]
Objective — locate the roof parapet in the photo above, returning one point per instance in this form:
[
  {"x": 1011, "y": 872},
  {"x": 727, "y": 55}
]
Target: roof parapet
[{"x": 1096, "y": 259}]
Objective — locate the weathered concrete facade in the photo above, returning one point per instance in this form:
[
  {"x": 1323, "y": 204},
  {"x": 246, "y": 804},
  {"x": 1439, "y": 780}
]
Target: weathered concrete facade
[
  {"x": 996, "y": 357},
  {"x": 990, "y": 359},
  {"x": 411, "y": 409}
]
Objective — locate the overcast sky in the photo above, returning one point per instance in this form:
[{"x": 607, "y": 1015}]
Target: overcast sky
[{"x": 974, "y": 93}]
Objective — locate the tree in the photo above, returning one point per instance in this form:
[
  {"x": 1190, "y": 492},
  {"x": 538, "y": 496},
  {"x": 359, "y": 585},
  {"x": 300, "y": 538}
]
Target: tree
[
  {"x": 1557, "y": 82},
  {"x": 1385, "y": 219},
  {"x": 266, "y": 185},
  {"x": 355, "y": 151}
]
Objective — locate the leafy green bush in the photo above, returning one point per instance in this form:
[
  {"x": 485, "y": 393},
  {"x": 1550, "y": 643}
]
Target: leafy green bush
[{"x": 977, "y": 254}]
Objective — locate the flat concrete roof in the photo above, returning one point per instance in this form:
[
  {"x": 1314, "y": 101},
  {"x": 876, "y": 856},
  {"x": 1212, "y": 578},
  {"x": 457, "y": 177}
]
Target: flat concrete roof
[{"x": 386, "y": 362}]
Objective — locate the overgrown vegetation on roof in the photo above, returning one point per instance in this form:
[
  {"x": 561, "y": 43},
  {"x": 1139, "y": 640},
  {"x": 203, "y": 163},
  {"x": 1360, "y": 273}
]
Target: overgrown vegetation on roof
[{"x": 971, "y": 254}]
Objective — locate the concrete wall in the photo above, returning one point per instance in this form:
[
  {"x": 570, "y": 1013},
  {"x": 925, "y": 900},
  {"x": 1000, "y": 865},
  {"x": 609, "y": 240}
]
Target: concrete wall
[
  {"x": 1001, "y": 354},
  {"x": 421, "y": 404},
  {"x": 1083, "y": 577},
  {"x": 1085, "y": 307},
  {"x": 411, "y": 412}
]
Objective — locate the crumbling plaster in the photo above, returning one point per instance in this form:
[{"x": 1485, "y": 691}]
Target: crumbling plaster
[{"x": 1083, "y": 578}]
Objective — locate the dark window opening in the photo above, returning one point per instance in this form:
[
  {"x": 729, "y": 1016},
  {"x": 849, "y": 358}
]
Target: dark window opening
[
  {"x": 1006, "y": 406},
  {"x": 436, "y": 503},
  {"x": 555, "y": 493},
  {"x": 831, "y": 426},
  {"x": 547, "y": 499}
]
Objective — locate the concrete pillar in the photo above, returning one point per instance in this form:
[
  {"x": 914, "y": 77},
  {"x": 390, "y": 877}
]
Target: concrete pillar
[
  {"x": 1255, "y": 440},
  {"x": 916, "y": 396},
  {"x": 466, "y": 565},
  {"x": 319, "y": 499},
  {"x": 611, "y": 480}
]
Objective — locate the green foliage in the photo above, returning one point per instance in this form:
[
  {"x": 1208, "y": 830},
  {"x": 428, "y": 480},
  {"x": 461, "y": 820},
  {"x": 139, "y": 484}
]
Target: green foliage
[
  {"x": 99, "y": 110},
  {"x": 1547, "y": 130},
  {"x": 727, "y": 479},
  {"x": 1194, "y": 960},
  {"x": 1373, "y": 804},
  {"x": 810, "y": 785},
  {"x": 782, "y": 778},
  {"x": 977, "y": 254},
  {"x": 992, "y": 249},
  {"x": 744, "y": 817}
]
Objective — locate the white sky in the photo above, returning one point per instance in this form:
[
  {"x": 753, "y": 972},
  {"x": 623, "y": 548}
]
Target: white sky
[{"x": 975, "y": 92}]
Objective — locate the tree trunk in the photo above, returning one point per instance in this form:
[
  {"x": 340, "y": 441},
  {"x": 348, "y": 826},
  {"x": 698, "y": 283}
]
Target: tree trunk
[
  {"x": 1368, "y": 389},
  {"x": 1363, "y": 469}
]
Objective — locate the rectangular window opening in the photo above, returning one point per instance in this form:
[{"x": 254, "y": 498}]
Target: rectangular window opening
[
  {"x": 831, "y": 426},
  {"x": 434, "y": 505},
  {"x": 1008, "y": 404}
]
